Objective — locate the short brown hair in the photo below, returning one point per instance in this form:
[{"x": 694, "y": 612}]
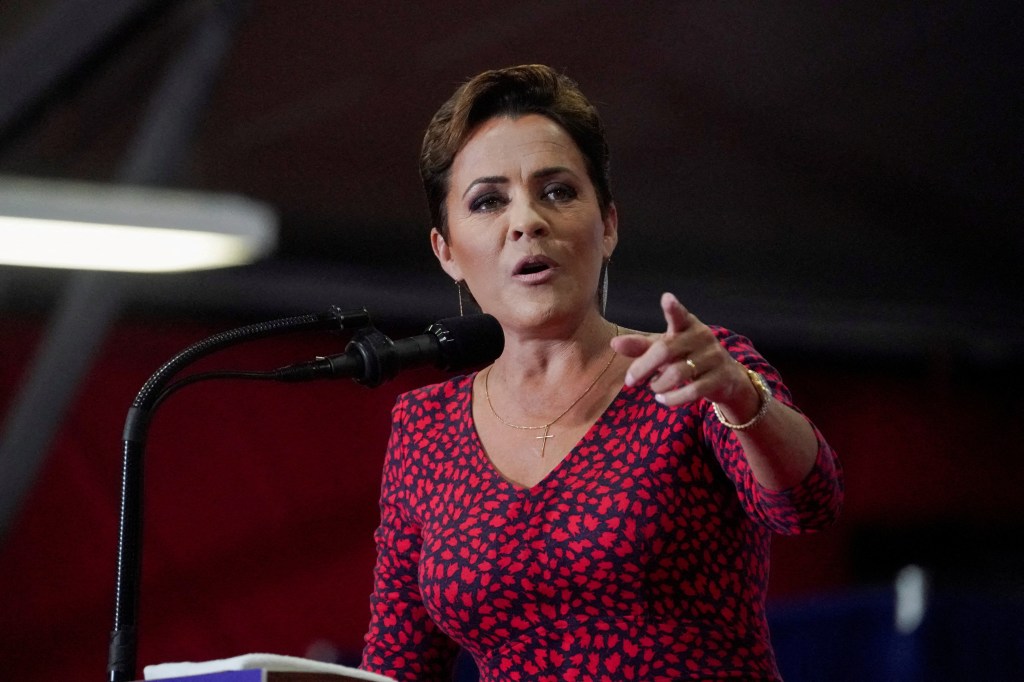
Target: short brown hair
[{"x": 513, "y": 92}]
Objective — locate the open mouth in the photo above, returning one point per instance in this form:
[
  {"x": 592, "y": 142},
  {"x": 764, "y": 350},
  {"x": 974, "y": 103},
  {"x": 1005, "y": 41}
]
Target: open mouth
[
  {"x": 531, "y": 268},
  {"x": 533, "y": 265}
]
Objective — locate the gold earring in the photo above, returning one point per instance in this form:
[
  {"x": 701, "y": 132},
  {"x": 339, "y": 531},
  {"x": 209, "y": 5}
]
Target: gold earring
[{"x": 602, "y": 294}]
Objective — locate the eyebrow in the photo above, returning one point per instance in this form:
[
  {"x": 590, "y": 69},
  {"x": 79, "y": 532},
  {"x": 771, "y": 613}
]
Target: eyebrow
[
  {"x": 486, "y": 180},
  {"x": 501, "y": 179}
]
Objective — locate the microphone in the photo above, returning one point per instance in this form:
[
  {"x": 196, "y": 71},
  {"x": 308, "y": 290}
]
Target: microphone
[{"x": 371, "y": 358}]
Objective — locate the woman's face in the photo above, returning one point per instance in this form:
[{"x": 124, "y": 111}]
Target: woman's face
[{"x": 525, "y": 229}]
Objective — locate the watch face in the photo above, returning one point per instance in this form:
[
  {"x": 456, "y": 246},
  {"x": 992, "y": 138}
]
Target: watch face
[{"x": 760, "y": 383}]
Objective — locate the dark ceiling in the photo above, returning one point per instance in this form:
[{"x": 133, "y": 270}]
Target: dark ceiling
[{"x": 830, "y": 176}]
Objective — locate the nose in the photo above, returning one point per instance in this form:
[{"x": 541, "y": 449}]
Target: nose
[{"x": 525, "y": 220}]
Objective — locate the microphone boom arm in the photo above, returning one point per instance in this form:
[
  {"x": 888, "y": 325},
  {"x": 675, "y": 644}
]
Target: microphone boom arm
[{"x": 121, "y": 662}]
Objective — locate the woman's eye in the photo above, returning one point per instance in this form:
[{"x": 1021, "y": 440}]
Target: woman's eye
[
  {"x": 559, "y": 192},
  {"x": 486, "y": 202}
]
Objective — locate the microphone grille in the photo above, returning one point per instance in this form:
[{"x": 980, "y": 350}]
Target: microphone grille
[{"x": 467, "y": 341}]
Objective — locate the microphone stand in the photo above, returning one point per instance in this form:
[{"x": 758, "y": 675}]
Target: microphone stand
[{"x": 124, "y": 639}]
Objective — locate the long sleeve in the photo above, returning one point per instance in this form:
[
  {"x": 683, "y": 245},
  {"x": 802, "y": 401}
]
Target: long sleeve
[
  {"x": 402, "y": 641},
  {"x": 815, "y": 502}
]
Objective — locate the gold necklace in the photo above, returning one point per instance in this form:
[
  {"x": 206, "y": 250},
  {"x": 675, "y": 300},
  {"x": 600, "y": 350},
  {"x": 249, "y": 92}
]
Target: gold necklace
[{"x": 547, "y": 427}]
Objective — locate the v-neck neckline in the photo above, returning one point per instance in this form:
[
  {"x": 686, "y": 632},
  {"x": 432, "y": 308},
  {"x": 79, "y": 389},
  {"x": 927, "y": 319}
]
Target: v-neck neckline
[{"x": 558, "y": 471}]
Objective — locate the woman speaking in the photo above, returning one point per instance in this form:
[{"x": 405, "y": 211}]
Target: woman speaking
[{"x": 598, "y": 503}]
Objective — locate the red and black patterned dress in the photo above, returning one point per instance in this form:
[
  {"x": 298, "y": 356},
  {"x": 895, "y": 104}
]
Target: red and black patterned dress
[{"x": 642, "y": 556}]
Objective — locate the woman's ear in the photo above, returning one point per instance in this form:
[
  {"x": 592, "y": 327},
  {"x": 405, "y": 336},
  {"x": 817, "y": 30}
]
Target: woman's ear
[
  {"x": 611, "y": 230},
  {"x": 444, "y": 254}
]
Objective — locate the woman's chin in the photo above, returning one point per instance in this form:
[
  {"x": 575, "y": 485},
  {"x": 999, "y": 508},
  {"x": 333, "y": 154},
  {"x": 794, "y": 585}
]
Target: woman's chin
[{"x": 554, "y": 313}]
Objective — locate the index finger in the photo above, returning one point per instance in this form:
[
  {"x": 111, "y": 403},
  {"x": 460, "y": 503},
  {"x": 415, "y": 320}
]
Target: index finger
[{"x": 676, "y": 316}]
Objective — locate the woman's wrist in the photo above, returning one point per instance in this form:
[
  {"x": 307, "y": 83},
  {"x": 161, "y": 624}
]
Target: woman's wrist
[{"x": 754, "y": 410}]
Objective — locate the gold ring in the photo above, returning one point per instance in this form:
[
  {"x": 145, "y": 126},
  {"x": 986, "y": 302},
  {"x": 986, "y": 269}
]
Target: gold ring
[{"x": 692, "y": 365}]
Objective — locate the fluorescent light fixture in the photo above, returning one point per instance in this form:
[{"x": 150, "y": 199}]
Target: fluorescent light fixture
[{"x": 92, "y": 226}]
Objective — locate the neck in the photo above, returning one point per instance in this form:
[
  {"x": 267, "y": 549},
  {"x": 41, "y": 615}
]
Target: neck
[
  {"x": 546, "y": 426},
  {"x": 541, "y": 390},
  {"x": 531, "y": 360}
]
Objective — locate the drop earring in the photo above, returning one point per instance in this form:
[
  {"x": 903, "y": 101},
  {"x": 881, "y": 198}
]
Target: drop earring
[
  {"x": 458, "y": 287},
  {"x": 602, "y": 293}
]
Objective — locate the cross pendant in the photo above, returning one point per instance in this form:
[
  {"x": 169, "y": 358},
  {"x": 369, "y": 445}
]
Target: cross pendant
[{"x": 544, "y": 438}]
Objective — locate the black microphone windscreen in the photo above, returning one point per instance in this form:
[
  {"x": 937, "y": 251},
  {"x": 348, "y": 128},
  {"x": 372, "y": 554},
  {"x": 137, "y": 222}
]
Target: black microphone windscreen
[{"x": 468, "y": 341}]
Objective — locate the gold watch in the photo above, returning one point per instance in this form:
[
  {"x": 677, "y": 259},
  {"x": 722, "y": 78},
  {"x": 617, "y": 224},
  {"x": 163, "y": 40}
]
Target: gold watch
[{"x": 764, "y": 392}]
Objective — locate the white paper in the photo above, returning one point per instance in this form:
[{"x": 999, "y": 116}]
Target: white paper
[{"x": 271, "y": 662}]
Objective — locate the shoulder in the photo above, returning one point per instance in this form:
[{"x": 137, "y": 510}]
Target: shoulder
[{"x": 426, "y": 413}]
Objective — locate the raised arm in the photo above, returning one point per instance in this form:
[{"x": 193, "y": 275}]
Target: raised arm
[{"x": 687, "y": 363}]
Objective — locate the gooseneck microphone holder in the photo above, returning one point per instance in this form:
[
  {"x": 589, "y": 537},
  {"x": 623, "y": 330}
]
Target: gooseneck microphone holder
[
  {"x": 123, "y": 639},
  {"x": 370, "y": 358}
]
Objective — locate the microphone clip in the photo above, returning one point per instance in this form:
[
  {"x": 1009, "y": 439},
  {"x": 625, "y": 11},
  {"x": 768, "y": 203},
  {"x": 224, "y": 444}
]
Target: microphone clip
[{"x": 373, "y": 349}]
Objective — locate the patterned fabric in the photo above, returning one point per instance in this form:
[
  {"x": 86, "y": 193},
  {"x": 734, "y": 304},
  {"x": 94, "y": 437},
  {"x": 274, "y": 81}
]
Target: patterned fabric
[{"x": 642, "y": 556}]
